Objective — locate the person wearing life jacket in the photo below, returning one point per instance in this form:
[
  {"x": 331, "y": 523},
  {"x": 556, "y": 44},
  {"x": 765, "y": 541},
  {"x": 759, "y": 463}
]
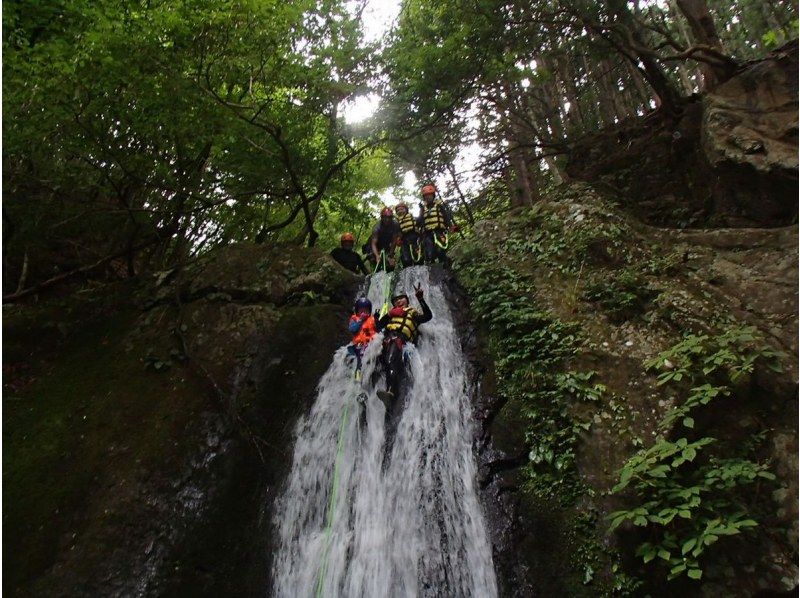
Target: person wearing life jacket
[
  {"x": 347, "y": 257},
  {"x": 400, "y": 325},
  {"x": 434, "y": 221},
  {"x": 363, "y": 327},
  {"x": 385, "y": 238},
  {"x": 409, "y": 236}
]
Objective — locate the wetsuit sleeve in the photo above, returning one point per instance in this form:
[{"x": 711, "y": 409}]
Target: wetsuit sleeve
[
  {"x": 381, "y": 324},
  {"x": 426, "y": 315}
]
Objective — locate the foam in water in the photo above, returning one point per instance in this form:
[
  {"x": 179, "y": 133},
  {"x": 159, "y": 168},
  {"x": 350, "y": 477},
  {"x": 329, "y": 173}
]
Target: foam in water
[{"x": 412, "y": 526}]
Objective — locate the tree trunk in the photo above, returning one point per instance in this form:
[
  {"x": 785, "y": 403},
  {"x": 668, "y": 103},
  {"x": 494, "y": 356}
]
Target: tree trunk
[
  {"x": 604, "y": 102},
  {"x": 23, "y": 277},
  {"x": 451, "y": 169},
  {"x": 637, "y": 50},
  {"x": 568, "y": 79},
  {"x": 590, "y": 93},
  {"x": 645, "y": 96},
  {"x": 704, "y": 33}
]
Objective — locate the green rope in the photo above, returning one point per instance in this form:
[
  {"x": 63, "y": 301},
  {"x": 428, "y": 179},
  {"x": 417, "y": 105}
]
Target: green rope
[
  {"x": 387, "y": 292},
  {"x": 332, "y": 502},
  {"x": 377, "y": 262},
  {"x": 418, "y": 258},
  {"x": 446, "y": 241}
]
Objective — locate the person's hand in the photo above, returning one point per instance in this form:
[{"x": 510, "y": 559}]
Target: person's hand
[
  {"x": 391, "y": 262},
  {"x": 419, "y": 292},
  {"x": 454, "y": 228}
]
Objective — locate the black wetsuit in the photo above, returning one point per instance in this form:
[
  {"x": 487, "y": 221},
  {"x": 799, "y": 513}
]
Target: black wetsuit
[{"x": 349, "y": 259}]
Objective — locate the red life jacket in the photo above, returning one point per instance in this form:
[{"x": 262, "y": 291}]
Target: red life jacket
[{"x": 363, "y": 336}]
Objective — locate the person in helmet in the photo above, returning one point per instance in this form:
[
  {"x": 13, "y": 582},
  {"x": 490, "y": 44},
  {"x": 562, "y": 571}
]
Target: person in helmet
[
  {"x": 347, "y": 257},
  {"x": 434, "y": 221},
  {"x": 385, "y": 238},
  {"x": 409, "y": 236},
  {"x": 400, "y": 325},
  {"x": 363, "y": 327}
]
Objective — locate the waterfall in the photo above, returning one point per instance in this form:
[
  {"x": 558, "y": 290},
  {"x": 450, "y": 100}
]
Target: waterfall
[{"x": 407, "y": 525}]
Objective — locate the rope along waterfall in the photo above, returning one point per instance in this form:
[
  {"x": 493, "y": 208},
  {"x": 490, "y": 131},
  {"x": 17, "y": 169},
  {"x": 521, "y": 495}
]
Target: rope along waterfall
[{"x": 353, "y": 525}]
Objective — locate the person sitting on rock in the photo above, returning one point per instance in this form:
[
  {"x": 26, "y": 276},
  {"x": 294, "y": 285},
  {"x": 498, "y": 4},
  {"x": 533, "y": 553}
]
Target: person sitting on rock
[
  {"x": 385, "y": 239},
  {"x": 347, "y": 257},
  {"x": 409, "y": 235},
  {"x": 434, "y": 221},
  {"x": 363, "y": 327}
]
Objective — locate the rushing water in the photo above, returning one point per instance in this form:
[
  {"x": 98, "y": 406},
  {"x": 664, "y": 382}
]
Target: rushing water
[{"x": 408, "y": 525}]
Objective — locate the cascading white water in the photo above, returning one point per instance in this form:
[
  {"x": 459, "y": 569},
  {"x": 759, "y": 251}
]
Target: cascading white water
[{"x": 410, "y": 526}]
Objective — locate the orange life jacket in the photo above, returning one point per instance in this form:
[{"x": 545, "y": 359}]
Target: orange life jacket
[{"x": 363, "y": 336}]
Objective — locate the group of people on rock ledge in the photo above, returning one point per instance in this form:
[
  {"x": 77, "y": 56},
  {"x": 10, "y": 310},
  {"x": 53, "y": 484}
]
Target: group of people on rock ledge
[{"x": 423, "y": 239}]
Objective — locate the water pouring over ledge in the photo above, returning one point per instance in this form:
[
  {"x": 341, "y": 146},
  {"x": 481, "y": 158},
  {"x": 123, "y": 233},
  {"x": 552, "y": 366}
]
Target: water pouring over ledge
[{"x": 350, "y": 524}]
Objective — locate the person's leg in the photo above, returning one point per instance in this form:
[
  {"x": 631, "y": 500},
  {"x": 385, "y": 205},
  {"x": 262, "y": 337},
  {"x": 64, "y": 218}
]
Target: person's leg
[
  {"x": 405, "y": 252},
  {"x": 428, "y": 246}
]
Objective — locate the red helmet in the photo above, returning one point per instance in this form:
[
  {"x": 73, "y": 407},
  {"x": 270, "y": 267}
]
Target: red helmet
[
  {"x": 400, "y": 205},
  {"x": 429, "y": 189},
  {"x": 347, "y": 237},
  {"x": 386, "y": 211}
]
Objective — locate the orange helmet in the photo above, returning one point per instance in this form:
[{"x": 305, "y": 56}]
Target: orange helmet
[
  {"x": 429, "y": 189},
  {"x": 387, "y": 211},
  {"x": 347, "y": 237},
  {"x": 400, "y": 205}
]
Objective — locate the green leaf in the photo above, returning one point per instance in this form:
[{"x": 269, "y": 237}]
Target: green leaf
[
  {"x": 688, "y": 422},
  {"x": 688, "y": 545},
  {"x": 695, "y": 573}
]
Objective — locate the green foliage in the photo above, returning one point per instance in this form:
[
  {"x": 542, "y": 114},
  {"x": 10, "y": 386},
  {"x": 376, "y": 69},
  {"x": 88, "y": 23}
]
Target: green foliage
[
  {"x": 623, "y": 296},
  {"x": 686, "y": 497},
  {"x": 732, "y": 353},
  {"x": 182, "y": 124},
  {"x": 531, "y": 349},
  {"x": 592, "y": 557}
]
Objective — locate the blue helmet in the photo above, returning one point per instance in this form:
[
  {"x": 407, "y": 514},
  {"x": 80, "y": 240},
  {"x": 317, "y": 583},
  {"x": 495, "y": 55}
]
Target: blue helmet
[{"x": 362, "y": 303}]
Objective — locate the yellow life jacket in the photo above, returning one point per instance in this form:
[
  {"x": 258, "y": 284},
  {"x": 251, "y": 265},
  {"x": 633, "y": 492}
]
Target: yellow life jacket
[
  {"x": 403, "y": 323},
  {"x": 406, "y": 222},
  {"x": 433, "y": 217}
]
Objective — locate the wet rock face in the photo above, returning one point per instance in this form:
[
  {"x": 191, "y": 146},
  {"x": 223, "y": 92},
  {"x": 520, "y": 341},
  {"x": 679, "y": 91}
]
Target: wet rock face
[
  {"x": 167, "y": 410},
  {"x": 730, "y": 159},
  {"x": 749, "y": 136}
]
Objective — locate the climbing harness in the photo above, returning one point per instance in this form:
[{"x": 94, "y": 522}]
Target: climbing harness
[{"x": 332, "y": 503}]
